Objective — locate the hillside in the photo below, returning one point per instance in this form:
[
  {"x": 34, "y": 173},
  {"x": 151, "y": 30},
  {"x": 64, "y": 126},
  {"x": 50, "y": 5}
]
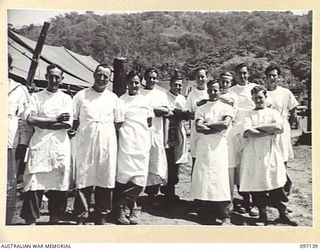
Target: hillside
[{"x": 186, "y": 40}]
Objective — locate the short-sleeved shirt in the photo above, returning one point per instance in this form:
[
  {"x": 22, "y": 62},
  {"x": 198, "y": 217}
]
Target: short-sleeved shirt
[
  {"x": 18, "y": 102},
  {"x": 195, "y": 96},
  {"x": 213, "y": 112},
  {"x": 45, "y": 141},
  {"x": 282, "y": 100},
  {"x": 245, "y": 101}
]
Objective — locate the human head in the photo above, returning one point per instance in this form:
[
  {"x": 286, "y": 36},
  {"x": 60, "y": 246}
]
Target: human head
[
  {"x": 213, "y": 89},
  {"x": 201, "y": 78},
  {"x": 242, "y": 74},
  {"x": 176, "y": 83},
  {"x": 151, "y": 77},
  {"x": 102, "y": 75},
  {"x": 54, "y": 77},
  {"x": 273, "y": 74},
  {"x": 225, "y": 81},
  {"x": 133, "y": 81},
  {"x": 259, "y": 95}
]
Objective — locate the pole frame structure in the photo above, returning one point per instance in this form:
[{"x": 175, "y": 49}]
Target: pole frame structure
[
  {"x": 120, "y": 70},
  {"x": 36, "y": 56}
]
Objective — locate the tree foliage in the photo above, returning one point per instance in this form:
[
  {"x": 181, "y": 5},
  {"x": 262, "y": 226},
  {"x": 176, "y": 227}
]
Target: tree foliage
[{"x": 188, "y": 40}]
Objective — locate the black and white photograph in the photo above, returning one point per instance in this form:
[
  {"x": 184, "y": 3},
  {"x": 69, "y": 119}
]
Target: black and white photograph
[{"x": 181, "y": 118}]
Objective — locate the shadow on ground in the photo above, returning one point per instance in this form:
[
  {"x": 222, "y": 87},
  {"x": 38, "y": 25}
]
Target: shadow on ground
[{"x": 187, "y": 210}]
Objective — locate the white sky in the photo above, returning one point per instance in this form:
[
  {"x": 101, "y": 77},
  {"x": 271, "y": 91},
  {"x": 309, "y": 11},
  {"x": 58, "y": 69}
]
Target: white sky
[{"x": 20, "y": 17}]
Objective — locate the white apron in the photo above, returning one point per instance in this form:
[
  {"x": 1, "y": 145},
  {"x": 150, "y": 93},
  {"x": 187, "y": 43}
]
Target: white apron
[
  {"x": 283, "y": 100},
  {"x": 48, "y": 166},
  {"x": 158, "y": 170},
  {"x": 96, "y": 137},
  {"x": 210, "y": 178},
  {"x": 134, "y": 141},
  {"x": 191, "y": 105},
  {"x": 262, "y": 166},
  {"x": 232, "y": 138}
]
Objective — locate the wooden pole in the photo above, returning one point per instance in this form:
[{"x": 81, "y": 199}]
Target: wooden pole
[
  {"x": 36, "y": 56},
  {"x": 120, "y": 70}
]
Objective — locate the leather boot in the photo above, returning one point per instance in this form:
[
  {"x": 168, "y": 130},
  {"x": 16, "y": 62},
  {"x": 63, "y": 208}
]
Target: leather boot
[
  {"x": 122, "y": 216},
  {"x": 30, "y": 222},
  {"x": 226, "y": 222},
  {"x": 133, "y": 218},
  {"x": 263, "y": 218},
  {"x": 54, "y": 220},
  {"x": 284, "y": 218}
]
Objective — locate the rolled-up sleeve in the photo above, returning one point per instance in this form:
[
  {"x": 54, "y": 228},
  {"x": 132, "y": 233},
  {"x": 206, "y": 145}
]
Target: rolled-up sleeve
[{"x": 25, "y": 132}]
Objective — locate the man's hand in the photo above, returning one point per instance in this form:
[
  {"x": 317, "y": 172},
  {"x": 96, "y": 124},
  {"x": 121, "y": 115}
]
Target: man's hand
[
  {"x": 161, "y": 111},
  {"x": 63, "y": 117},
  {"x": 201, "y": 102},
  {"x": 255, "y": 133}
]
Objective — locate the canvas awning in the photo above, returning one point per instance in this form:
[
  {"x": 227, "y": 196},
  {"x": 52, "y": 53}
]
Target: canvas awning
[{"x": 78, "y": 69}]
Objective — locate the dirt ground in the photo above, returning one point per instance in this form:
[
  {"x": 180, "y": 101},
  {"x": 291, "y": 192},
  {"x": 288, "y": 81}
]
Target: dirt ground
[{"x": 183, "y": 212}]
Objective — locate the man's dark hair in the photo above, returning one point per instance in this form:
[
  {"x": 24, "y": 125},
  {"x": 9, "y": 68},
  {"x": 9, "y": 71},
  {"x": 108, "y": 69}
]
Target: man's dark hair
[
  {"x": 150, "y": 70},
  {"x": 201, "y": 68},
  {"x": 103, "y": 65},
  {"x": 255, "y": 90},
  {"x": 132, "y": 74},
  {"x": 211, "y": 82},
  {"x": 273, "y": 67},
  {"x": 53, "y": 66},
  {"x": 240, "y": 66},
  {"x": 226, "y": 74},
  {"x": 176, "y": 76}
]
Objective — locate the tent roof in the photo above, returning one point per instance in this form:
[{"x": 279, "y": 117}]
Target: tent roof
[{"x": 78, "y": 69}]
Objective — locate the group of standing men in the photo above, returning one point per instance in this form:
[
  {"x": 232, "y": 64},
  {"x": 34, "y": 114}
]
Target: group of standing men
[
  {"x": 135, "y": 143},
  {"x": 241, "y": 136}
]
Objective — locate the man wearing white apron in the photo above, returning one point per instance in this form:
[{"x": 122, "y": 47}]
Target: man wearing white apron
[
  {"x": 210, "y": 177},
  {"x": 175, "y": 137},
  {"x": 263, "y": 173},
  {"x": 134, "y": 150},
  {"x": 243, "y": 91},
  {"x": 284, "y": 101},
  {"x": 231, "y": 99},
  {"x": 158, "y": 171},
  {"x": 98, "y": 113},
  {"x": 48, "y": 166},
  {"x": 197, "y": 94}
]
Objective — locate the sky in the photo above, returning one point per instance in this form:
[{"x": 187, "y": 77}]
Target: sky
[{"x": 20, "y": 17}]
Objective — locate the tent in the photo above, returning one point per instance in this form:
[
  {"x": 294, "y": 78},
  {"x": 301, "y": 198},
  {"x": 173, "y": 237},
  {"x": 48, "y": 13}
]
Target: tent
[{"x": 78, "y": 69}]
